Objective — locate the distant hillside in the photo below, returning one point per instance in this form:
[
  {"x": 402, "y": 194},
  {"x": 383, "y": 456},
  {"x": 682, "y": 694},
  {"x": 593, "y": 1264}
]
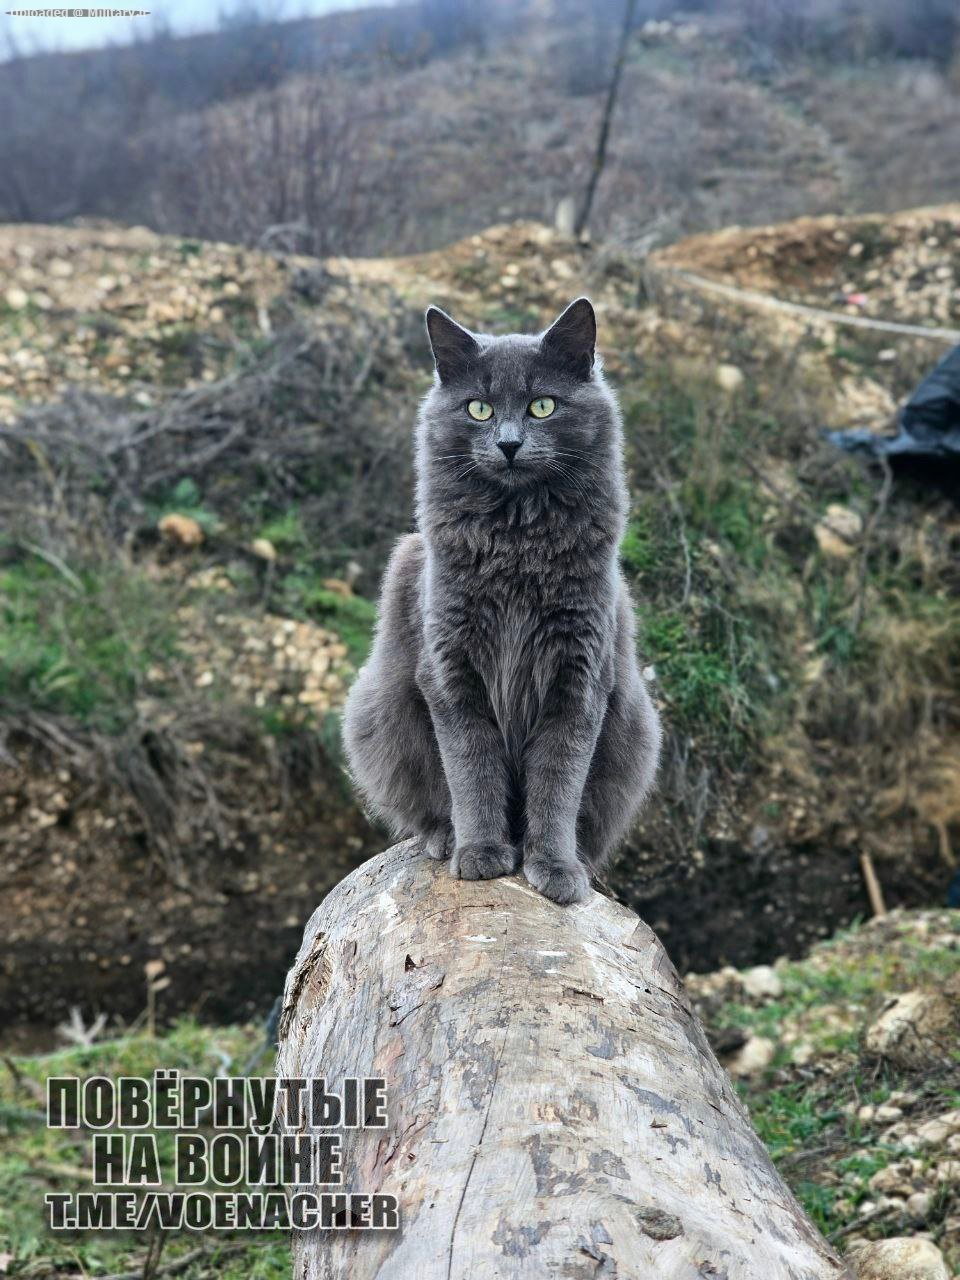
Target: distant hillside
[{"x": 401, "y": 128}]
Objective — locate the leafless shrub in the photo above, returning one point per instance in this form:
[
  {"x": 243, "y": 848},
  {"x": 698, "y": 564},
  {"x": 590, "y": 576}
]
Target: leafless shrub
[
  {"x": 838, "y": 31},
  {"x": 312, "y": 167},
  {"x": 182, "y": 801},
  {"x": 292, "y": 428}
]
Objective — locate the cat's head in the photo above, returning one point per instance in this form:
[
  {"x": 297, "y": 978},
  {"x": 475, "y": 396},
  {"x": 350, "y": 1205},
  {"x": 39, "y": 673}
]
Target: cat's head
[{"x": 514, "y": 412}]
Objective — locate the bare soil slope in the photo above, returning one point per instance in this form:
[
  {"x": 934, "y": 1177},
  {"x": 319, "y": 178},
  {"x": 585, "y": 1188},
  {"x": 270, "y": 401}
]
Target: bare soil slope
[{"x": 799, "y": 612}]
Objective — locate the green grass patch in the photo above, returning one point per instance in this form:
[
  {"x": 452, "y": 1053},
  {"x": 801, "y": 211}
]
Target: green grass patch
[
  {"x": 696, "y": 669},
  {"x": 713, "y": 589},
  {"x": 35, "y": 1160},
  {"x": 638, "y": 550},
  {"x": 80, "y": 640},
  {"x": 285, "y": 531}
]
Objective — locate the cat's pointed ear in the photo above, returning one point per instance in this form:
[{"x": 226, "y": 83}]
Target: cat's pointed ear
[
  {"x": 454, "y": 348},
  {"x": 572, "y": 338}
]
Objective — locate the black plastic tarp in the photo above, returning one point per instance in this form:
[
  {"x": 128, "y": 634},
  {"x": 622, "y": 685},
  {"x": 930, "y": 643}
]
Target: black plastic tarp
[{"x": 928, "y": 424}]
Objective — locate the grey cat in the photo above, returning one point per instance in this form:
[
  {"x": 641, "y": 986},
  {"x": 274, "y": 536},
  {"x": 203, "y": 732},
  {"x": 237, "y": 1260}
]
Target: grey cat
[{"x": 502, "y": 717}]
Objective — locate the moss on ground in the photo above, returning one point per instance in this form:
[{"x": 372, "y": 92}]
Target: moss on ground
[{"x": 35, "y": 1160}]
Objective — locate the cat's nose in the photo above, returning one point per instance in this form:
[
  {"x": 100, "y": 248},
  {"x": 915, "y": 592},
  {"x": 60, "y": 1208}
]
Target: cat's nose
[{"x": 508, "y": 448}]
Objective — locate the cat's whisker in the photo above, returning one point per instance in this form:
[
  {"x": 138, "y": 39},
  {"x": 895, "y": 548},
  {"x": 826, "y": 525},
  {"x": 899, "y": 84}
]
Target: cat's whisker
[
  {"x": 567, "y": 474},
  {"x": 584, "y": 459}
]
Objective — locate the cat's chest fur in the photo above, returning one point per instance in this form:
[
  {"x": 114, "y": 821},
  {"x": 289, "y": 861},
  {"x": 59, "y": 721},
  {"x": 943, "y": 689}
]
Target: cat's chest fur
[{"x": 514, "y": 613}]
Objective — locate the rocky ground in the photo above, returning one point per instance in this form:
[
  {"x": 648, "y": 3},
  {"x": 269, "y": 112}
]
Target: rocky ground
[
  {"x": 789, "y": 755},
  {"x": 848, "y": 1061},
  {"x": 122, "y": 309},
  {"x": 892, "y": 266}
]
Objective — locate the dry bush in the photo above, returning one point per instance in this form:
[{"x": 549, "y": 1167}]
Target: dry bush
[
  {"x": 319, "y": 420},
  {"x": 312, "y": 166},
  {"x": 839, "y": 31}
]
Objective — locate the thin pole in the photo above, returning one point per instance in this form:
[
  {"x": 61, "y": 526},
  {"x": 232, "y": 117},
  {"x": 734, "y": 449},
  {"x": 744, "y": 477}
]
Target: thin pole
[{"x": 600, "y": 156}]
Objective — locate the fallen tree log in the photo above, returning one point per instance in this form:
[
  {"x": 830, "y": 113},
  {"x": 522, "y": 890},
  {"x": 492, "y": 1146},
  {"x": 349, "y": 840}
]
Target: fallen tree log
[{"x": 554, "y": 1109}]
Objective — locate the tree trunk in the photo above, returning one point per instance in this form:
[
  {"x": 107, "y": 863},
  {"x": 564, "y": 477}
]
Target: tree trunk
[{"x": 554, "y": 1107}]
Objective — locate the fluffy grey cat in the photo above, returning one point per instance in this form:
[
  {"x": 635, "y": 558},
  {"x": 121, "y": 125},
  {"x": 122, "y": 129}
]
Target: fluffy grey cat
[{"x": 501, "y": 716}]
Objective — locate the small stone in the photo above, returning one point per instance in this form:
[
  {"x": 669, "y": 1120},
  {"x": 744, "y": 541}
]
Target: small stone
[
  {"x": 837, "y": 532},
  {"x": 888, "y": 1114},
  {"x": 891, "y": 1180},
  {"x": 762, "y": 983},
  {"x": 919, "y": 1205},
  {"x": 902, "y": 1098},
  {"x": 755, "y": 1056},
  {"x": 933, "y": 1133},
  {"x": 900, "y": 1136},
  {"x": 901, "y": 1258},
  {"x": 803, "y": 1053},
  {"x": 182, "y": 531},
  {"x": 729, "y": 378},
  {"x": 264, "y": 549},
  {"x": 867, "y": 1113},
  {"x": 16, "y": 299},
  {"x": 311, "y": 697}
]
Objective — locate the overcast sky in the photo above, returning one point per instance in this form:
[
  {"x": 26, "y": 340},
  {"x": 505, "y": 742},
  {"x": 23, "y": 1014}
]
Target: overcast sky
[{"x": 31, "y": 34}]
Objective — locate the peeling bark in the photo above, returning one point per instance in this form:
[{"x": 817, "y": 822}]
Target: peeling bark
[{"x": 554, "y": 1107}]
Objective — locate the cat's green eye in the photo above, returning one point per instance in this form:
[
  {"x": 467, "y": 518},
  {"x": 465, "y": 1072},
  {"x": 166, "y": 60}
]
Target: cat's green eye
[
  {"x": 542, "y": 407},
  {"x": 480, "y": 410}
]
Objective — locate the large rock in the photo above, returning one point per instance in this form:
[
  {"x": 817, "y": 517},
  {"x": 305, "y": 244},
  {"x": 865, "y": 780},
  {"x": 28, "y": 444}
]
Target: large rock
[
  {"x": 901, "y": 1258},
  {"x": 917, "y": 1030}
]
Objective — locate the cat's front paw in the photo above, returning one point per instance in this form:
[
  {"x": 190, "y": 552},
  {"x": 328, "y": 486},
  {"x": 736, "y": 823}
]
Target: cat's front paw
[
  {"x": 483, "y": 861},
  {"x": 562, "y": 882},
  {"x": 438, "y": 841}
]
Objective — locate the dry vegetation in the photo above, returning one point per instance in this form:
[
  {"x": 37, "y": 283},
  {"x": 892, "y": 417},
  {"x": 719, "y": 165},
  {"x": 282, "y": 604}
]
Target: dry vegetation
[
  {"x": 405, "y": 128},
  {"x": 800, "y": 611},
  {"x": 205, "y": 455}
]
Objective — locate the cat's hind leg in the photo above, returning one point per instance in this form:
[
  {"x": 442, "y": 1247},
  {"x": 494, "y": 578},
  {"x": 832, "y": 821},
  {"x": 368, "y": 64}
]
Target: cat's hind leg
[
  {"x": 395, "y": 761},
  {"x": 438, "y": 840},
  {"x": 388, "y": 733}
]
